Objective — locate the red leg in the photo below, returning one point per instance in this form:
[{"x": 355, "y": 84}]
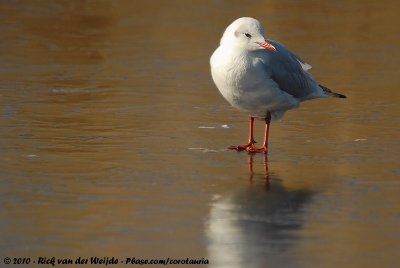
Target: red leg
[
  {"x": 251, "y": 140},
  {"x": 264, "y": 148}
]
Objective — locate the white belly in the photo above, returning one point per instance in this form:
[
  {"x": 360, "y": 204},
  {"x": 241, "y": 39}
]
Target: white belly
[{"x": 248, "y": 87}]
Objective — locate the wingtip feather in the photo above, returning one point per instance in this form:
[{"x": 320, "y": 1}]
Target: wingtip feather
[
  {"x": 329, "y": 92},
  {"x": 337, "y": 95}
]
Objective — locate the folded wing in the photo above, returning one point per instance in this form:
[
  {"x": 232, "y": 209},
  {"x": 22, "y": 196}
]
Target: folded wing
[{"x": 290, "y": 72}]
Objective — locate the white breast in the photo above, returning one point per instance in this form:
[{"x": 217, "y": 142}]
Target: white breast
[{"x": 246, "y": 85}]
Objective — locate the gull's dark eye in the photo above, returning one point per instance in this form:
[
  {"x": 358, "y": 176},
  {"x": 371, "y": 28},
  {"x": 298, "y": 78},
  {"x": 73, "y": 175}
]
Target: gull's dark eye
[{"x": 247, "y": 35}]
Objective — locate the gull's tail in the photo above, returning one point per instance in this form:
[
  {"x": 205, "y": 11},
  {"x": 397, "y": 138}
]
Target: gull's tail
[{"x": 330, "y": 93}]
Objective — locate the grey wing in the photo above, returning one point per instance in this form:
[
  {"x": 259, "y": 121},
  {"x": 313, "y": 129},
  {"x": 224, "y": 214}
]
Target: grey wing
[{"x": 290, "y": 72}]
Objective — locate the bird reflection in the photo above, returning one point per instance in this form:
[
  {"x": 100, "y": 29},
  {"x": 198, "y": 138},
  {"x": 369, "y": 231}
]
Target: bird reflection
[
  {"x": 251, "y": 225},
  {"x": 265, "y": 165}
]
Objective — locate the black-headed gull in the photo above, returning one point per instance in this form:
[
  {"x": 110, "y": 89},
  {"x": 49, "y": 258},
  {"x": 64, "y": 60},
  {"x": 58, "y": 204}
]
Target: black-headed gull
[{"x": 261, "y": 76}]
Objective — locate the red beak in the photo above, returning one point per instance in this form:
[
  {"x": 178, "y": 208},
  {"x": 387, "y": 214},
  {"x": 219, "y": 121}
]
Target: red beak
[{"x": 267, "y": 45}]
